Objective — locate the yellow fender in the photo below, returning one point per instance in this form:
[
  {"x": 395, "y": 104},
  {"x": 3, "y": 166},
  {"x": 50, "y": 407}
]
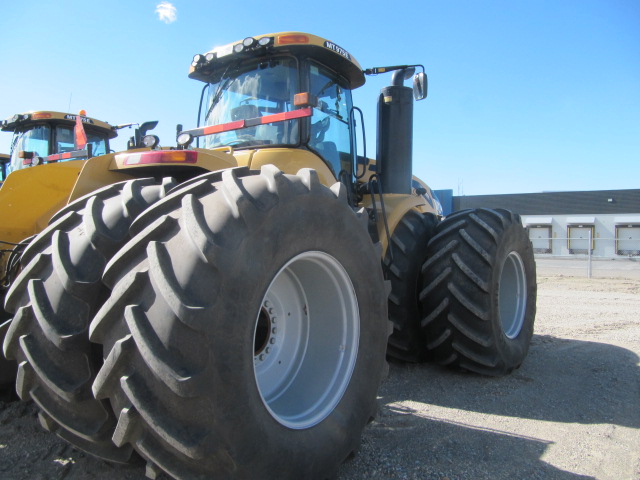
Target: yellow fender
[
  {"x": 30, "y": 197},
  {"x": 396, "y": 206}
]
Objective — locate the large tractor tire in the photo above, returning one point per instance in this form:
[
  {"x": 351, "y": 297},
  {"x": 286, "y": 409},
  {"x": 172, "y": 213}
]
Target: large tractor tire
[
  {"x": 478, "y": 294},
  {"x": 246, "y": 332},
  {"x": 8, "y": 368},
  {"x": 403, "y": 260},
  {"x": 54, "y": 299}
]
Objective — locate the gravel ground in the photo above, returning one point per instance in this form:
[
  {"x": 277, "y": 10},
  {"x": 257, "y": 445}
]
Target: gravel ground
[{"x": 570, "y": 412}]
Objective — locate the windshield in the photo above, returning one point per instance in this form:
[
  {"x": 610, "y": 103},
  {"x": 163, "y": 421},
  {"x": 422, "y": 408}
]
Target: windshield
[
  {"x": 65, "y": 141},
  {"x": 35, "y": 140},
  {"x": 252, "y": 90}
]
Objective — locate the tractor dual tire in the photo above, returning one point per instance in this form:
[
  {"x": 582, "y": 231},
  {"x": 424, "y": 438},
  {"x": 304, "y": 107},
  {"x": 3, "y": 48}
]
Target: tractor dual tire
[
  {"x": 8, "y": 368},
  {"x": 403, "y": 261},
  {"x": 54, "y": 299},
  {"x": 246, "y": 332},
  {"x": 478, "y": 295}
]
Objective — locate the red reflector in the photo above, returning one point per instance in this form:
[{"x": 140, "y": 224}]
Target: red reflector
[
  {"x": 159, "y": 156},
  {"x": 40, "y": 116},
  {"x": 251, "y": 122},
  {"x": 289, "y": 39},
  {"x": 225, "y": 127},
  {"x": 58, "y": 156},
  {"x": 280, "y": 117}
]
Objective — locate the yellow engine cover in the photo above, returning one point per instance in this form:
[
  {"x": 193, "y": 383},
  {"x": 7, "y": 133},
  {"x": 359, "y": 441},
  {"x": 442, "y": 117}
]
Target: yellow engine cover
[{"x": 30, "y": 197}]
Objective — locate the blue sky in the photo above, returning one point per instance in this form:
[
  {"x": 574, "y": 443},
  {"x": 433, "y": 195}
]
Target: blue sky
[{"x": 524, "y": 96}]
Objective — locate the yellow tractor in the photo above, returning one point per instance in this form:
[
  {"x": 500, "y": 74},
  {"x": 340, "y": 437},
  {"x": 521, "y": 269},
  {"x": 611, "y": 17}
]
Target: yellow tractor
[
  {"x": 30, "y": 196},
  {"x": 224, "y": 308}
]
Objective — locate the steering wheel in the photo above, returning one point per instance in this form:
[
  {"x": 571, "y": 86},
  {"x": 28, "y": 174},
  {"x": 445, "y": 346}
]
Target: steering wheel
[
  {"x": 320, "y": 128},
  {"x": 247, "y": 100}
]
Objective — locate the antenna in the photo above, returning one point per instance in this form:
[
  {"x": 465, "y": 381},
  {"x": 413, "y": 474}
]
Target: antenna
[{"x": 70, "y": 97}]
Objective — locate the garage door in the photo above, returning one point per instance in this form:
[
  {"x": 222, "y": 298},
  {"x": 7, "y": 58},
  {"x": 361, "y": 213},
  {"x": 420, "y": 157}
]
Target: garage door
[
  {"x": 540, "y": 236},
  {"x": 579, "y": 238},
  {"x": 628, "y": 240}
]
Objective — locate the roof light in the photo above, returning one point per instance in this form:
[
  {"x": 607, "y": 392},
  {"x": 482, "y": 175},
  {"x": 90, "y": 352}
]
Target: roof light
[
  {"x": 249, "y": 42},
  {"x": 264, "y": 41},
  {"x": 238, "y": 47},
  {"x": 185, "y": 139},
  {"x": 150, "y": 141},
  {"x": 197, "y": 59},
  {"x": 37, "y": 116},
  {"x": 305, "y": 99},
  {"x": 210, "y": 56},
  {"x": 292, "y": 38}
]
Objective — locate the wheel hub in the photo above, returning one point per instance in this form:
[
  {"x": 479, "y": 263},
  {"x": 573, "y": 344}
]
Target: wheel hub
[
  {"x": 512, "y": 295},
  {"x": 306, "y": 340}
]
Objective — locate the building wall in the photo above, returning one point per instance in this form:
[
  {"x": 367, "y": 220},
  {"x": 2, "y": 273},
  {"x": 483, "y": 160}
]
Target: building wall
[
  {"x": 612, "y": 235},
  {"x": 557, "y": 203}
]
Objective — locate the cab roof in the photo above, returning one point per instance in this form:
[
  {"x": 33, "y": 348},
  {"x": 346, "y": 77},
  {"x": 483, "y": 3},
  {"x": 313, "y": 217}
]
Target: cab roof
[
  {"x": 296, "y": 43},
  {"x": 22, "y": 120}
]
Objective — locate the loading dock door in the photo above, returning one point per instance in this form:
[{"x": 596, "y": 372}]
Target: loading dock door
[
  {"x": 579, "y": 238},
  {"x": 628, "y": 240},
  {"x": 540, "y": 236}
]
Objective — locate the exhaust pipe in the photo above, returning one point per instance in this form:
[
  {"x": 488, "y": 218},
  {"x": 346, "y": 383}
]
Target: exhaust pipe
[{"x": 395, "y": 134}]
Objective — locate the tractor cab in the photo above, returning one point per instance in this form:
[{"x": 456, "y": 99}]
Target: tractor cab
[
  {"x": 278, "y": 90},
  {"x": 47, "y": 137}
]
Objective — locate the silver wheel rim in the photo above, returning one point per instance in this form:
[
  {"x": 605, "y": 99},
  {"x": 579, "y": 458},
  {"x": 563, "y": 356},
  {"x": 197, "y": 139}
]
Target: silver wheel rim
[
  {"x": 306, "y": 340},
  {"x": 512, "y": 295}
]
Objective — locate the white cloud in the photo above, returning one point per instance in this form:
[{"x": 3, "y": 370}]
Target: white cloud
[{"x": 167, "y": 13}]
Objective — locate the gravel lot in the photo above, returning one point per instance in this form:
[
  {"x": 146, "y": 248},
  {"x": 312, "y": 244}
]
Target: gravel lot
[{"x": 570, "y": 412}]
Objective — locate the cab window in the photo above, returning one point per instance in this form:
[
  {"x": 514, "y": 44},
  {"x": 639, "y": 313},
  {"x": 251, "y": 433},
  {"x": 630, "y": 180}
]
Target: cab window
[
  {"x": 65, "y": 141},
  {"x": 35, "y": 140},
  {"x": 250, "y": 90},
  {"x": 330, "y": 133}
]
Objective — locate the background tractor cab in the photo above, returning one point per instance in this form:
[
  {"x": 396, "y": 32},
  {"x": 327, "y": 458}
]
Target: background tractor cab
[
  {"x": 293, "y": 90},
  {"x": 46, "y": 137}
]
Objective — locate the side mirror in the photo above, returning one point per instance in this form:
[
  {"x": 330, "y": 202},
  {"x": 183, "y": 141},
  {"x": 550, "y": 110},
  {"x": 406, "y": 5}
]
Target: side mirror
[
  {"x": 146, "y": 126},
  {"x": 420, "y": 86}
]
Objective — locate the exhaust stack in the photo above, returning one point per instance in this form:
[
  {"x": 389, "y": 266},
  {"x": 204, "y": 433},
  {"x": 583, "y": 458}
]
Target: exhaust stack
[{"x": 395, "y": 134}]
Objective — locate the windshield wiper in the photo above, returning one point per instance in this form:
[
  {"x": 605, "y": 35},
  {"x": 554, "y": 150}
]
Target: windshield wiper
[{"x": 221, "y": 87}]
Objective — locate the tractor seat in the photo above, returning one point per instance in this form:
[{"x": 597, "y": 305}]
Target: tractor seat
[{"x": 244, "y": 112}]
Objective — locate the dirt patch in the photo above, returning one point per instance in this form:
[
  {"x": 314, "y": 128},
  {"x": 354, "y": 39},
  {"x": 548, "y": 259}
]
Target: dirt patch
[{"x": 570, "y": 412}]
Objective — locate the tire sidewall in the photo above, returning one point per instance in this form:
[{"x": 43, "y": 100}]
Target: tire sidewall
[
  {"x": 516, "y": 240},
  {"x": 285, "y": 232}
]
